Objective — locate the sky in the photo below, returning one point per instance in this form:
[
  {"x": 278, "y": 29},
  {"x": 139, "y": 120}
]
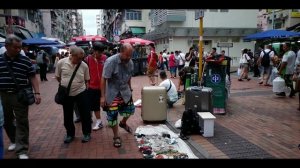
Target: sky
[{"x": 89, "y": 21}]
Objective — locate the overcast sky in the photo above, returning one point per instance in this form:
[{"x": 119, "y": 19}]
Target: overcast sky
[{"x": 89, "y": 21}]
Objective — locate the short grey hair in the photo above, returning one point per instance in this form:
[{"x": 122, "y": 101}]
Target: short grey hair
[
  {"x": 126, "y": 46},
  {"x": 11, "y": 38},
  {"x": 74, "y": 50}
]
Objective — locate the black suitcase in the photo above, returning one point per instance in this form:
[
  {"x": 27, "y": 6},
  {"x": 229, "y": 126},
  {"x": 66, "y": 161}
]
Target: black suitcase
[{"x": 199, "y": 99}]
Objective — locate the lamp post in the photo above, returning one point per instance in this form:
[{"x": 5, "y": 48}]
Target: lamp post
[{"x": 199, "y": 14}]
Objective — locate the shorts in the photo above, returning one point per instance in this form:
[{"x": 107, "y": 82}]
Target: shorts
[
  {"x": 267, "y": 70},
  {"x": 151, "y": 71},
  {"x": 118, "y": 106},
  {"x": 94, "y": 99},
  {"x": 173, "y": 70}
]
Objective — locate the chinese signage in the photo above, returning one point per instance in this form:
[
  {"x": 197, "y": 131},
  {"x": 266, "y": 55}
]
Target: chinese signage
[{"x": 295, "y": 13}]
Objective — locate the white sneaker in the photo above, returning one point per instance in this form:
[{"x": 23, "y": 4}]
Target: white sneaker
[
  {"x": 23, "y": 156},
  {"x": 97, "y": 126},
  {"x": 11, "y": 147},
  {"x": 260, "y": 78}
]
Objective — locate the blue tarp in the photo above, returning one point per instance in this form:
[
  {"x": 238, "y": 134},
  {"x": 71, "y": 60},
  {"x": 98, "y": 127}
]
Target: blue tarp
[
  {"x": 54, "y": 45},
  {"x": 38, "y": 41},
  {"x": 271, "y": 34}
]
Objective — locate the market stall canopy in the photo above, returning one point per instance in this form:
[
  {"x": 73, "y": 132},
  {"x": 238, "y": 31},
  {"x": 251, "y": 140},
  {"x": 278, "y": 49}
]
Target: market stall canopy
[
  {"x": 38, "y": 41},
  {"x": 54, "y": 39},
  {"x": 136, "y": 41},
  {"x": 90, "y": 38},
  {"x": 50, "y": 46},
  {"x": 272, "y": 34}
]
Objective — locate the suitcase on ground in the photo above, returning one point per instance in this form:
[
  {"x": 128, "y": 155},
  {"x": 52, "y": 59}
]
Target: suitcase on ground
[
  {"x": 199, "y": 99},
  {"x": 154, "y": 103}
]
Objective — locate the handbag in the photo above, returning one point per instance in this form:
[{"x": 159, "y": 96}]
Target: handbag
[
  {"x": 24, "y": 95},
  {"x": 297, "y": 86},
  {"x": 63, "y": 92}
]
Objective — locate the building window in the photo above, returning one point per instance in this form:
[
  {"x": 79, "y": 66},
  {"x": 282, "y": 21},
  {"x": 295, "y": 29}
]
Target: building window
[
  {"x": 224, "y": 10},
  {"x": 133, "y": 15},
  {"x": 223, "y": 39},
  {"x": 235, "y": 39},
  {"x": 213, "y": 10}
]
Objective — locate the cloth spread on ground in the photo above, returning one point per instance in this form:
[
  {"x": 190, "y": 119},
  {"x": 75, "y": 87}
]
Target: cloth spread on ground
[{"x": 159, "y": 142}]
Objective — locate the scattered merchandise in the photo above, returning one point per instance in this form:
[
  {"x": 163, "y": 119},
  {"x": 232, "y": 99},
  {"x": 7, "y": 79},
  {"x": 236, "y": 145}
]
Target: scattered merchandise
[{"x": 159, "y": 142}]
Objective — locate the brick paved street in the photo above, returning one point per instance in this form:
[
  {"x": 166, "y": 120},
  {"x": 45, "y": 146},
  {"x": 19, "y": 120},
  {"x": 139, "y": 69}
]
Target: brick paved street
[{"x": 269, "y": 123}]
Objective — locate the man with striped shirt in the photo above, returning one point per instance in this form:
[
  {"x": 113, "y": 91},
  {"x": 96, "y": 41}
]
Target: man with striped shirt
[{"x": 14, "y": 110}]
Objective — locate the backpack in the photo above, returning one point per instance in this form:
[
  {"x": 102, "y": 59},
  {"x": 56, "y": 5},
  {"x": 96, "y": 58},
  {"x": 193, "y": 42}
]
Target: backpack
[
  {"x": 190, "y": 123},
  {"x": 265, "y": 62},
  {"x": 40, "y": 58}
]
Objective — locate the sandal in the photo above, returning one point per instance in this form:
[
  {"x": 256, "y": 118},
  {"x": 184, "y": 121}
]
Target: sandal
[
  {"x": 117, "y": 142},
  {"x": 126, "y": 127}
]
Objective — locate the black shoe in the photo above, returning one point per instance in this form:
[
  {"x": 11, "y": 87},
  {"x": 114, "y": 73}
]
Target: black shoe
[
  {"x": 292, "y": 94},
  {"x": 77, "y": 120},
  {"x": 86, "y": 138},
  {"x": 68, "y": 139},
  {"x": 46, "y": 79},
  {"x": 281, "y": 94}
]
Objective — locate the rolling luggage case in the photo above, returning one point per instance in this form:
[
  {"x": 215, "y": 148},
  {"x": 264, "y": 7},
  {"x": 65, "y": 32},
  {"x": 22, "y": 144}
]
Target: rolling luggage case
[
  {"x": 154, "y": 103},
  {"x": 199, "y": 99}
]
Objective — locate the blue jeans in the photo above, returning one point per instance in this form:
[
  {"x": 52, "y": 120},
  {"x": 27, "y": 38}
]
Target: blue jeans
[{"x": 1, "y": 143}]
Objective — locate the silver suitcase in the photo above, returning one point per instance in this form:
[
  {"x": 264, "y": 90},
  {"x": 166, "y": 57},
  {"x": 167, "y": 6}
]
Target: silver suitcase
[{"x": 154, "y": 103}]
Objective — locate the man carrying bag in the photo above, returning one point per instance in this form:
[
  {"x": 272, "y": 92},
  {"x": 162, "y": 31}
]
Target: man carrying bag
[{"x": 16, "y": 93}]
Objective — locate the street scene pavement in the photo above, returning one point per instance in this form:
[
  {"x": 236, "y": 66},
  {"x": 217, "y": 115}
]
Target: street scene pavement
[{"x": 257, "y": 125}]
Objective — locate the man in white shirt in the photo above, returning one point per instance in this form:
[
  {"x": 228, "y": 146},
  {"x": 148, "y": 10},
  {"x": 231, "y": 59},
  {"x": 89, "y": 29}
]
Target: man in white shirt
[
  {"x": 267, "y": 67},
  {"x": 181, "y": 58},
  {"x": 287, "y": 68},
  {"x": 165, "y": 59},
  {"x": 171, "y": 89}
]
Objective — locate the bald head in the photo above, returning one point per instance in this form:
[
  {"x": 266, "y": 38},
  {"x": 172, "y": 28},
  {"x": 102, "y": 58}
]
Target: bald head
[
  {"x": 77, "y": 54},
  {"x": 126, "y": 52}
]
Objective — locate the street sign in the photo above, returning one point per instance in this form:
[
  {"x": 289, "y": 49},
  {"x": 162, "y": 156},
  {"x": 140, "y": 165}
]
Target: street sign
[
  {"x": 215, "y": 78},
  {"x": 199, "y": 13},
  {"x": 224, "y": 44}
]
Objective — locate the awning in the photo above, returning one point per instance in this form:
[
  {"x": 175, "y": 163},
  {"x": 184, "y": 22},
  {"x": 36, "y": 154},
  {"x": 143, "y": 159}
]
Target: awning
[{"x": 138, "y": 30}]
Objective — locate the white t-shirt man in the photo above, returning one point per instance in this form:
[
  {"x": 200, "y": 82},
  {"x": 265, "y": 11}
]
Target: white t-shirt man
[
  {"x": 181, "y": 58},
  {"x": 290, "y": 58},
  {"x": 172, "y": 93},
  {"x": 271, "y": 54},
  {"x": 165, "y": 56},
  {"x": 244, "y": 58}
]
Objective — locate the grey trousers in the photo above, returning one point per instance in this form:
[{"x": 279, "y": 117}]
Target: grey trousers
[{"x": 18, "y": 133}]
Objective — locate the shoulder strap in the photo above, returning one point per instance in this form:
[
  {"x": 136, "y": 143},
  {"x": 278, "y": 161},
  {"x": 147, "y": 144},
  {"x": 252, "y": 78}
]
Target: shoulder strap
[
  {"x": 170, "y": 86},
  {"x": 72, "y": 77},
  {"x": 11, "y": 72},
  {"x": 269, "y": 52}
]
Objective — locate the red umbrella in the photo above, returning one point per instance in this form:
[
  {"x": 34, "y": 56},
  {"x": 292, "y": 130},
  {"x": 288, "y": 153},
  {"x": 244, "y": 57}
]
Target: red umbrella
[
  {"x": 90, "y": 38},
  {"x": 136, "y": 41}
]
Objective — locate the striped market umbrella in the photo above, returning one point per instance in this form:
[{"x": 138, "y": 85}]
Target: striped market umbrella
[
  {"x": 136, "y": 41},
  {"x": 90, "y": 38}
]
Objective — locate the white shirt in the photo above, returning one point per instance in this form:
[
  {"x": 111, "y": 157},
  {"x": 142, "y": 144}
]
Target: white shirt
[
  {"x": 244, "y": 59},
  {"x": 271, "y": 54},
  {"x": 290, "y": 58},
  {"x": 181, "y": 58},
  {"x": 298, "y": 58},
  {"x": 165, "y": 56},
  {"x": 172, "y": 93},
  {"x": 3, "y": 50}
]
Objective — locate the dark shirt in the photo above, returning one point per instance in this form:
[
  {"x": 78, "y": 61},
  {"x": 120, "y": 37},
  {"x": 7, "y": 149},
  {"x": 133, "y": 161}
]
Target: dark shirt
[
  {"x": 22, "y": 68},
  {"x": 193, "y": 60}
]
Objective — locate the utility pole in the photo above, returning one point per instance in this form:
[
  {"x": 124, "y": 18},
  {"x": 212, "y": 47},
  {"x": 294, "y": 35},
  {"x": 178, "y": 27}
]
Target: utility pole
[
  {"x": 200, "y": 47},
  {"x": 199, "y": 14}
]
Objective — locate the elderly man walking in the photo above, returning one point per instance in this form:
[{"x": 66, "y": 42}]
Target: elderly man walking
[
  {"x": 116, "y": 90},
  {"x": 78, "y": 94},
  {"x": 17, "y": 73}
]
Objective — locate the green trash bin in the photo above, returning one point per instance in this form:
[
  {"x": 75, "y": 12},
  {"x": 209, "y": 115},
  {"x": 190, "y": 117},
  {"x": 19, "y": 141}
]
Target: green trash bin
[{"x": 215, "y": 78}]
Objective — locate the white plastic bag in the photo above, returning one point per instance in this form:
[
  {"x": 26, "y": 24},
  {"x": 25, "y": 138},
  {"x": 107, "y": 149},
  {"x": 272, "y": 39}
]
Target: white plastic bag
[
  {"x": 239, "y": 72},
  {"x": 178, "y": 124},
  {"x": 278, "y": 85}
]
